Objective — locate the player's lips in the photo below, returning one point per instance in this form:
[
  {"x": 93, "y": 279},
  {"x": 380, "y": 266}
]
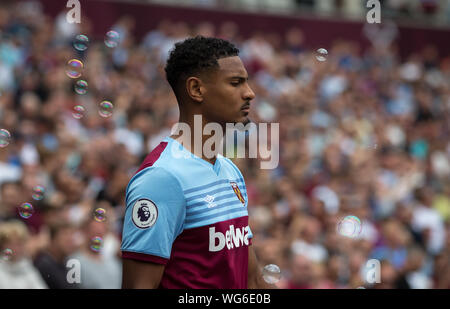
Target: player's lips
[{"x": 246, "y": 107}]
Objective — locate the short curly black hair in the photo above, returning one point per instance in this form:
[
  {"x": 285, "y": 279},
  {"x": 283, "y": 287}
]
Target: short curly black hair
[{"x": 195, "y": 55}]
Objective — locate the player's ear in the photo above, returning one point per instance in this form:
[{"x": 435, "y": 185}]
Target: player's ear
[{"x": 195, "y": 89}]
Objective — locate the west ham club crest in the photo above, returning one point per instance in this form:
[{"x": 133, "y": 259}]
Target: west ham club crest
[{"x": 238, "y": 192}]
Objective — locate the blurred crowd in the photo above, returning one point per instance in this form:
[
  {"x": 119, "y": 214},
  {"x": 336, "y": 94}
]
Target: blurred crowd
[
  {"x": 363, "y": 133},
  {"x": 429, "y": 11}
]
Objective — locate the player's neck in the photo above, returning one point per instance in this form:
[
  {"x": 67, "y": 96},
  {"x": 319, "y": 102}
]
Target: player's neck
[
  {"x": 195, "y": 141},
  {"x": 189, "y": 145}
]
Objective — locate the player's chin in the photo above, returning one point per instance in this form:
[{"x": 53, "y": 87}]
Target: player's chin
[{"x": 244, "y": 120}]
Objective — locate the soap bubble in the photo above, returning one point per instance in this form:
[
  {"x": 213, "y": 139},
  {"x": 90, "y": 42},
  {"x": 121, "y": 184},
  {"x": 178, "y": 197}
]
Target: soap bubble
[
  {"x": 5, "y": 138},
  {"x": 74, "y": 68},
  {"x": 321, "y": 54},
  {"x": 96, "y": 244},
  {"x": 100, "y": 215},
  {"x": 112, "y": 39},
  {"x": 271, "y": 273},
  {"x": 78, "y": 112},
  {"x": 81, "y": 86},
  {"x": 105, "y": 109},
  {"x": 350, "y": 227},
  {"x": 81, "y": 42},
  {"x": 6, "y": 254},
  {"x": 38, "y": 193},
  {"x": 26, "y": 210}
]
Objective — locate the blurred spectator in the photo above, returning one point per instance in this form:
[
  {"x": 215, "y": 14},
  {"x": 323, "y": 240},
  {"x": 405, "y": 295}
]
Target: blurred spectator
[
  {"x": 307, "y": 245},
  {"x": 10, "y": 199},
  {"x": 16, "y": 267},
  {"x": 294, "y": 41},
  {"x": 389, "y": 278},
  {"x": 414, "y": 272},
  {"x": 301, "y": 273},
  {"x": 98, "y": 270},
  {"x": 428, "y": 222},
  {"x": 441, "y": 272},
  {"x": 51, "y": 262},
  {"x": 395, "y": 243}
]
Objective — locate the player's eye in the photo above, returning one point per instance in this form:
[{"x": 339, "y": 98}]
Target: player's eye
[{"x": 235, "y": 84}]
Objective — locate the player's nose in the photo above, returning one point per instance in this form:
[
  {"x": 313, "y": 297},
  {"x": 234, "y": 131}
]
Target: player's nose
[{"x": 249, "y": 94}]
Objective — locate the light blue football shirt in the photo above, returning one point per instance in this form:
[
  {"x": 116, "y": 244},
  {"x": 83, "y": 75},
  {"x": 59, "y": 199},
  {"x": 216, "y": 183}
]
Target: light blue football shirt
[{"x": 175, "y": 191}]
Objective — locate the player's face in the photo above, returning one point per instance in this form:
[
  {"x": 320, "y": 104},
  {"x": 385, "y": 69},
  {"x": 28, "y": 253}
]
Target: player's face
[{"x": 228, "y": 95}]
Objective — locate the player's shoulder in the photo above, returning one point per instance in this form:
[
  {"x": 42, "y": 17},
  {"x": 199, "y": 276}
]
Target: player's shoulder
[
  {"x": 159, "y": 165},
  {"x": 153, "y": 178},
  {"x": 155, "y": 173}
]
